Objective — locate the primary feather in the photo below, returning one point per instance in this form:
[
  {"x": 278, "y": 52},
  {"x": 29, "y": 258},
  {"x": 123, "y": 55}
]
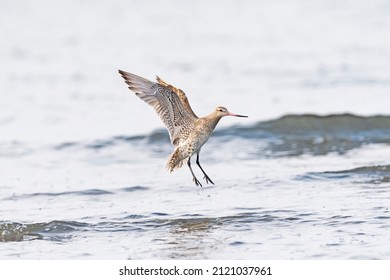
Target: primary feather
[{"x": 170, "y": 103}]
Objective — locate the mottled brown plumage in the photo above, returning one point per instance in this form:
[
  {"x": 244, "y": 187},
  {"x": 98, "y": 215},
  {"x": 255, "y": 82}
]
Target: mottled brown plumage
[{"x": 187, "y": 132}]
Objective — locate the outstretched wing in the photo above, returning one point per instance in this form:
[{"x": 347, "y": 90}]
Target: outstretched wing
[
  {"x": 170, "y": 103},
  {"x": 179, "y": 93}
]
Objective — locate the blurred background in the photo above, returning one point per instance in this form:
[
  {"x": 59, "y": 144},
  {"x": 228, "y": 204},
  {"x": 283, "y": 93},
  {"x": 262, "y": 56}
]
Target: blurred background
[
  {"x": 59, "y": 61},
  {"x": 306, "y": 176}
]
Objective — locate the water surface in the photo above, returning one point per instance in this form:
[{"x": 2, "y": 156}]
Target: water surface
[{"x": 82, "y": 160}]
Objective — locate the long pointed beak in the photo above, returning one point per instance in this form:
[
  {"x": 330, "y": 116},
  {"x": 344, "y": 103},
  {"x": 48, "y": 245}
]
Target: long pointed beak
[{"x": 235, "y": 115}]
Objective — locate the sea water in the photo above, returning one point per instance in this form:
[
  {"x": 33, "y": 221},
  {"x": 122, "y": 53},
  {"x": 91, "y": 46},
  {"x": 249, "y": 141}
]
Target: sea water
[{"x": 82, "y": 159}]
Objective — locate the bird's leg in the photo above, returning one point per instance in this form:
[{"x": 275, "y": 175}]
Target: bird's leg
[
  {"x": 192, "y": 172},
  {"x": 205, "y": 175}
]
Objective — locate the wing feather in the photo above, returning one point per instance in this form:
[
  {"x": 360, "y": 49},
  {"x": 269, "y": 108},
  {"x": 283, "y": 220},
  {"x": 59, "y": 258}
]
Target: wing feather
[
  {"x": 170, "y": 103},
  {"x": 179, "y": 93}
]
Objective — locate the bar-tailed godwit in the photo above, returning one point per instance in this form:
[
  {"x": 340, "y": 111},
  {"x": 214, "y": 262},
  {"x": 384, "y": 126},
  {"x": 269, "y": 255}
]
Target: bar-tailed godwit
[{"x": 187, "y": 132}]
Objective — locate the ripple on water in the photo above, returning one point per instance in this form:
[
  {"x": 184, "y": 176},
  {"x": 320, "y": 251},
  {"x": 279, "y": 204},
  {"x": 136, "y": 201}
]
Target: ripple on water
[
  {"x": 134, "y": 189},
  {"x": 375, "y": 174},
  {"x": 86, "y": 192},
  {"x": 54, "y": 230}
]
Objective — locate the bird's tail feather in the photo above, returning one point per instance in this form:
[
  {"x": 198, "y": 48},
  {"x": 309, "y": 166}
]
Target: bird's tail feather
[{"x": 176, "y": 159}]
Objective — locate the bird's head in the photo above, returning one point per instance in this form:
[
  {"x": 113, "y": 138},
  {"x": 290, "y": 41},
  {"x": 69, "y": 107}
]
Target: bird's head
[{"x": 221, "y": 111}]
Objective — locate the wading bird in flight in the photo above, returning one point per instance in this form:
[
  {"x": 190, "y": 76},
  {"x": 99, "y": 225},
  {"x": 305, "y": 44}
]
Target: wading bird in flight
[{"x": 187, "y": 132}]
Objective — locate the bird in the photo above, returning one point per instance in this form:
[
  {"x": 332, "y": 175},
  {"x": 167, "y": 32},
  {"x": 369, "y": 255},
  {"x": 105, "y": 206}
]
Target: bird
[{"x": 187, "y": 132}]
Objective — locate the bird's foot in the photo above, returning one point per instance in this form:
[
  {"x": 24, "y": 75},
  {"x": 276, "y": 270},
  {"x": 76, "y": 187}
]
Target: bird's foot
[
  {"x": 208, "y": 180},
  {"x": 197, "y": 183}
]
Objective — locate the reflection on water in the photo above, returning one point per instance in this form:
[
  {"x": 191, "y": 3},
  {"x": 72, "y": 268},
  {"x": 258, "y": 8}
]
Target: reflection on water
[{"x": 192, "y": 238}]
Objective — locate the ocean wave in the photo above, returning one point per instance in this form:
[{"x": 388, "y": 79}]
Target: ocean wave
[
  {"x": 295, "y": 135},
  {"x": 290, "y": 135},
  {"x": 307, "y": 124},
  {"x": 54, "y": 230}
]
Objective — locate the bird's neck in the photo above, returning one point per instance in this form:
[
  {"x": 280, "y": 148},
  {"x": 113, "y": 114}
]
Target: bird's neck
[{"x": 212, "y": 121}]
